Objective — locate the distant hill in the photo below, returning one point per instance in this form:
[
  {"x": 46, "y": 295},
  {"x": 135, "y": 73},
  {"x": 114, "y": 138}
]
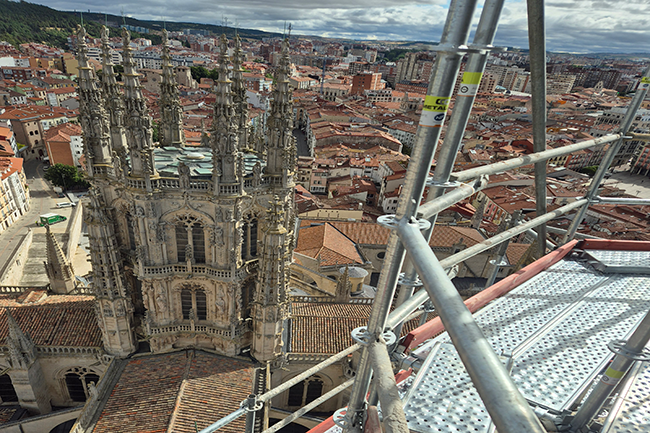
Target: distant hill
[
  {"x": 157, "y": 26},
  {"x": 22, "y": 22}
]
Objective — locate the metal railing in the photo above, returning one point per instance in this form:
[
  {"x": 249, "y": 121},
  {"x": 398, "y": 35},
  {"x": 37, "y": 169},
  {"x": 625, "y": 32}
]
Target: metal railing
[{"x": 408, "y": 250}]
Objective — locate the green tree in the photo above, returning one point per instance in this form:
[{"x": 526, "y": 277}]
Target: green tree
[
  {"x": 65, "y": 176},
  {"x": 591, "y": 170}
]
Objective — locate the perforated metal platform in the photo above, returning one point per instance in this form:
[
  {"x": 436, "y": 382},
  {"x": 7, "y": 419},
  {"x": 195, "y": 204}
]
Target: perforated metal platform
[
  {"x": 555, "y": 327},
  {"x": 628, "y": 262},
  {"x": 631, "y": 410}
]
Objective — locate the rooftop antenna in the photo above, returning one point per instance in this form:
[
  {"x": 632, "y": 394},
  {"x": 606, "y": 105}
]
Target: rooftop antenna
[{"x": 289, "y": 31}]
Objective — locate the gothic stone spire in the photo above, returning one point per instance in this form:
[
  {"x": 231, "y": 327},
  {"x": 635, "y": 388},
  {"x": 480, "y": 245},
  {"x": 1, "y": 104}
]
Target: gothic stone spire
[
  {"x": 59, "y": 270},
  {"x": 281, "y": 152},
  {"x": 225, "y": 144},
  {"x": 138, "y": 121},
  {"x": 113, "y": 96},
  {"x": 171, "y": 111},
  {"x": 239, "y": 93},
  {"x": 270, "y": 304},
  {"x": 94, "y": 119},
  {"x": 114, "y": 308}
]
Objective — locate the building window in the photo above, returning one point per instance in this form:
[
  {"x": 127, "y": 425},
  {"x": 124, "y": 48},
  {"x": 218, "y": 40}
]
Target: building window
[
  {"x": 249, "y": 241},
  {"x": 190, "y": 238},
  {"x": 7, "y": 391},
  {"x": 77, "y": 381},
  {"x": 305, "y": 392},
  {"x": 194, "y": 303}
]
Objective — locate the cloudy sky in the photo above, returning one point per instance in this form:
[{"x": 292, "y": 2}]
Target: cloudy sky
[{"x": 572, "y": 25}]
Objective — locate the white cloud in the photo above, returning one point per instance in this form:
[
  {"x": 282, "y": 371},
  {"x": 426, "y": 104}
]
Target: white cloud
[{"x": 577, "y": 25}]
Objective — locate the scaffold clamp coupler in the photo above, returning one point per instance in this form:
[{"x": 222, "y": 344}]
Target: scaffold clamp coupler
[
  {"x": 618, "y": 347},
  {"x": 340, "y": 418},
  {"x": 363, "y": 337},
  {"x": 403, "y": 281},
  {"x": 251, "y": 404},
  {"x": 438, "y": 184}
]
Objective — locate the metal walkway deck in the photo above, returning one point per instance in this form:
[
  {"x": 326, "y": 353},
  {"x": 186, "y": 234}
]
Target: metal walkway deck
[{"x": 552, "y": 333}]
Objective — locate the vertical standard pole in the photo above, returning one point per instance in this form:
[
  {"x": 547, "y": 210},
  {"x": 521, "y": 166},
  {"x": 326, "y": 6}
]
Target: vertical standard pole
[
  {"x": 537, "y": 57},
  {"x": 447, "y": 64},
  {"x": 391, "y": 405},
  {"x": 629, "y": 117},
  {"x": 470, "y": 81},
  {"x": 617, "y": 369},
  {"x": 250, "y": 414}
]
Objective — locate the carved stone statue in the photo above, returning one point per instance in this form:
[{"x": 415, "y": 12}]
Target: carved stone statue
[
  {"x": 257, "y": 174},
  {"x": 184, "y": 175}
]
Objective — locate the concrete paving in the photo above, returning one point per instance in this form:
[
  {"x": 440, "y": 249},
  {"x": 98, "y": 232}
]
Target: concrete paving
[{"x": 637, "y": 185}]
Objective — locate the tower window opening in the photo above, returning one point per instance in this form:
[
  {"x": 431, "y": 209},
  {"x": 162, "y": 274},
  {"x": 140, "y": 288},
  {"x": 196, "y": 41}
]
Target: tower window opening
[
  {"x": 249, "y": 241},
  {"x": 194, "y": 300},
  {"x": 305, "y": 392},
  {"x": 77, "y": 381},
  {"x": 7, "y": 390}
]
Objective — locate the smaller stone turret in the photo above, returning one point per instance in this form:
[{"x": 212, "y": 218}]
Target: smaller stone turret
[
  {"x": 171, "y": 111},
  {"x": 59, "y": 270},
  {"x": 270, "y": 307},
  {"x": 26, "y": 372}
]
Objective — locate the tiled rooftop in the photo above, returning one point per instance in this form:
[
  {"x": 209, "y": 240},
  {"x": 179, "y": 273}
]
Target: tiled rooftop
[
  {"x": 53, "y": 320},
  {"x": 180, "y": 392}
]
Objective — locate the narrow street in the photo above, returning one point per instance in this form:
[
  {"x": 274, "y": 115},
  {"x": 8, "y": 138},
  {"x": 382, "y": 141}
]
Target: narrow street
[{"x": 43, "y": 200}]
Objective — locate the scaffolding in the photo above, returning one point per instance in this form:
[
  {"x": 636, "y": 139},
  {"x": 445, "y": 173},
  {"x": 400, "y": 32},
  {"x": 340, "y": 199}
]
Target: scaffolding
[{"x": 410, "y": 262}]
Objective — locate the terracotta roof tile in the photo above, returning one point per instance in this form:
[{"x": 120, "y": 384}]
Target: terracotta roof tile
[
  {"x": 54, "y": 321},
  {"x": 171, "y": 392},
  {"x": 324, "y": 240},
  {"x": 325, "y": 328}
]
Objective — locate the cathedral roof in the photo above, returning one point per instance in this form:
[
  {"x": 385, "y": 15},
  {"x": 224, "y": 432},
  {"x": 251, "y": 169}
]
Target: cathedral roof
[
  {"x": 328, "y": 243},
  {"x": 181, "y": 392},
  {"x": 52, "y": 320},
  {"x": 324, "y": 328}
]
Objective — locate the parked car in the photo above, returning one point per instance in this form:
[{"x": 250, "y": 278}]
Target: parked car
[{"x": 65, "y": 204}]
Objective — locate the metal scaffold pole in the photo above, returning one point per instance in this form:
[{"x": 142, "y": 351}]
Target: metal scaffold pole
[
  {"x": 447, "y": 65},
  {"x": 626, "y": 354},
  {"x": 537, "y": 57},
  {"x": 626, "y": 124},
  {"x": 470, "y": 81}
]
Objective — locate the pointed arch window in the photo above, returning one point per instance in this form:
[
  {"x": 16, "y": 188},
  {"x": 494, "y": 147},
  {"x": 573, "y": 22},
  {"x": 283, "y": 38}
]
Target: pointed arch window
[
  {"x": 190, "y": 239},
  {"x": 305, "y": 392},
  {"x": 249, "y": 241},
  {"x": 7, "y": 390},
  {"x": 194, "y": 303},
  {"x": 77, "y": 381}
]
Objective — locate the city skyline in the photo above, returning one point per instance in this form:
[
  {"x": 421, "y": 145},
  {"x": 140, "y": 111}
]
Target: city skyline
[{"x": 608, "y": 27}]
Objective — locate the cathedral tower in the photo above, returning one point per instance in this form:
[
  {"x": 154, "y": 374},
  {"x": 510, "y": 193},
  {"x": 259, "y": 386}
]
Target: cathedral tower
[
  {"x": 180, "y": 237},
  {"x": 114, "y": 302}
]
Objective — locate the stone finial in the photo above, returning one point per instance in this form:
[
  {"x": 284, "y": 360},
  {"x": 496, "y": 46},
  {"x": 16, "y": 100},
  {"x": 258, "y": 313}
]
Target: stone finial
[
  {"x": 59, "y": 270},
  {"x": 22, "y": 351}
]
